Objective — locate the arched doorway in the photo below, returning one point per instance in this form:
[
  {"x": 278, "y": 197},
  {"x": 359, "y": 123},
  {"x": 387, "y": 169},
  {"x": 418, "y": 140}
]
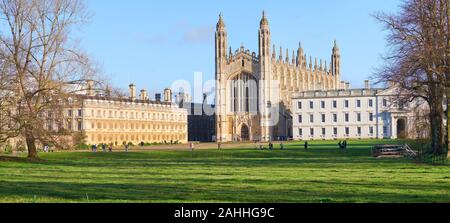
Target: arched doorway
[
  {"x": 401, "y": 129},
  {"x": 245, "y": 133}
]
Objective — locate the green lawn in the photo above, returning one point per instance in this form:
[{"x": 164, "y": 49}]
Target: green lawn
[{"x": 323, "y": 174}]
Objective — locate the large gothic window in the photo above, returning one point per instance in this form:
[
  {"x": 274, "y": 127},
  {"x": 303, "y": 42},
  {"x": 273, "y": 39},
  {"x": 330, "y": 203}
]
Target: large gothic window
[{"x": 244, "y": 94}]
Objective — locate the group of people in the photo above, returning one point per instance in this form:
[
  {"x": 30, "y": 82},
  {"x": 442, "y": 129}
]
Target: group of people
[
  {"x": 271, "y": 146},
  {"x": 343, "y": 145},
  {"x": 108, "y": 148}
]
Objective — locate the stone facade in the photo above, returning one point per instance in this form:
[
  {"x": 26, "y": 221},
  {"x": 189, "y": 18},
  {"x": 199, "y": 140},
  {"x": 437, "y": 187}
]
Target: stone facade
[
  {"x": 357, "y": 114},
  {"x": 117, "y": 120},
  {"x": 253, "y": 93}
]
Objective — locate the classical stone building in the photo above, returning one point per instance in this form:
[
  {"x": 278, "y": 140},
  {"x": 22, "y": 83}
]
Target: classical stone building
[
  {"x": 365, "y": 113},
  {"x": 253, "y": 93},
  {"x": 116, "y": 120}
]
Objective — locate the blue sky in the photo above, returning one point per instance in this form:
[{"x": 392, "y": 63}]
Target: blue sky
[{"x": 153, "y": 43}]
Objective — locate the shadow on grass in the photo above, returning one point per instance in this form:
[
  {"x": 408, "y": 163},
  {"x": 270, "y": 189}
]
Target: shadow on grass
[
  {"x": 221, "y": 191},
  {"x": 20, "y": 159}
]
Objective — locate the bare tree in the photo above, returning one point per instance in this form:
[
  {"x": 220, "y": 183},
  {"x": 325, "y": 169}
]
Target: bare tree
[
  {"x": 417, "y": 61},
  {"x": 42, "y": 66},
  {"x": 447, "y": 63}
]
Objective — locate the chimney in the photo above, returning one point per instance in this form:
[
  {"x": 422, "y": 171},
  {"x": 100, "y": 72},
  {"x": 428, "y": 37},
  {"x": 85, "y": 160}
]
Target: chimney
[
  {"x": 144, "y": 96},
  {"x": 367, "y": 84},
  {"x": 347, "y": 86},
  {"x": 90, "y": 88},
  {"x": 168, "y": 95},
  {"x": 158, "y": 97},
  {"x": 132, "y": 92},
  {"x": 342, "y": 85}
]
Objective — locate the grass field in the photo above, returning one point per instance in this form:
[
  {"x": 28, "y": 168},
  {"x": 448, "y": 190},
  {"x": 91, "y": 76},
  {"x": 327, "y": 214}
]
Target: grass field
[{"x": 322, "y": 174}]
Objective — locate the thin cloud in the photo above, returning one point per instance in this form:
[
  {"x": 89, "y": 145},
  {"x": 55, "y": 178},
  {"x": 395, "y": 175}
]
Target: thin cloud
[{"x": 198, "y": 35}]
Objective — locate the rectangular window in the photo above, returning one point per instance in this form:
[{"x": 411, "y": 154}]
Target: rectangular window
[
  {"x": 358, "y": 103},
  {"x": 371, "y": 130},
  {"x": 299, "y": 105},
  {"x": 322, "y": 104},
  {"x": 324, "y": 131},
  {"x": 385, "y": 103},
  {"x": 370, "y": 117},
  {"x": 323, "y": 118},
  {"x": 80, "y": 113},
  {"x": 300, "y": 119},
  {"x": 311, "y": 118},
  {"x": 311, "y": 131},
  {"x": 70, "y": 113},
  {"x": 371, "y": 103},
  {"x": 359, "y": 117},
  {"x": 335, "y": 131},
  {"x": 359, "y": 130},
  {"x": 335, "y": 118},
  {"x": 347, "y": 130},
  {"x": 347, "y": 117},
  {"x": 334, "y": 104},
  {"x": 311, "y": 105},
  {"x": 346, "y": 104},
  {"x": 80, "y": 127},
  {"x": 300, "y": 132}
]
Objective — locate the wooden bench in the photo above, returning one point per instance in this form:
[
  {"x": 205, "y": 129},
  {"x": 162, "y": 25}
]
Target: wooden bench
[{"x": 388, "y": 151}]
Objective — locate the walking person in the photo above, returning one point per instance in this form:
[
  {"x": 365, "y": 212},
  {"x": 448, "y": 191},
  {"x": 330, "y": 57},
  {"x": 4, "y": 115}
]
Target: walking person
[
  {"x": 45, "y": 149},
  {"x": 110, "y": 148},
  {"x": 340, "y": 144},
  {"x": 282, "y": 146},
  {"x": 104, "y": 147},
  {"x": 345, "y": 144},
  {"x": 219, "y": 146},
  {"x": 306, "y": 145}
]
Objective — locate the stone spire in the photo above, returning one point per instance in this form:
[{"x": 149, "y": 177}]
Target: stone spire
[
  {"x": 220, "y": 23},
  {"x": 281, "y": 54},
  {"x": 274, "y": 53},
  {"x": 300, "y": 55},
  {"x": 335, "y": 47},
  {"x": 336, "y": 61},
  {"x": 310, "y": 62},
  {"x": 315, "y": 64},
  {"x": 293, "y": 56},
  {"x": 287, "y": 55},
  {"x": 264, "y": 20}
]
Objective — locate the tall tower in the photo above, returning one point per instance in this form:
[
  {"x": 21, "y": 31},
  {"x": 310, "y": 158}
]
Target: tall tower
[
  {"x": 265, "y": 101},
  {"x": 336, "y": 66},
  {"x": 221, "y": 60}
]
